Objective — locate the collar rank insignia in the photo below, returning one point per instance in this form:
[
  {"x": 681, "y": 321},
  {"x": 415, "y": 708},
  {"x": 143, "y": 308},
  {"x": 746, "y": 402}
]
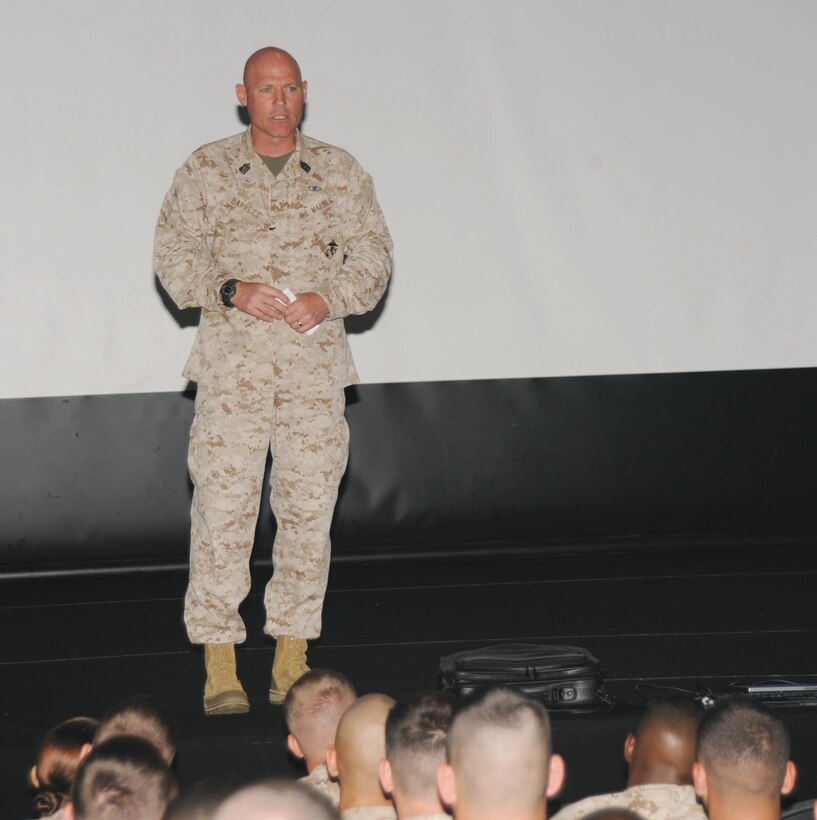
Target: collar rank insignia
[{"x": 244, "y": 168}]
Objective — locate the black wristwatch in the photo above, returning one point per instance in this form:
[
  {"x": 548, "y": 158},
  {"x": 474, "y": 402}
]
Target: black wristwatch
[{"x": 227, "y": 291}]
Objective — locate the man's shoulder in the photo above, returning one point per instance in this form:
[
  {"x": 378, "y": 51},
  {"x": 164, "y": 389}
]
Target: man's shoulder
[
  {"x": 659, "y": 801},
  {"x": 316, "y": 151},
  {"x": 227, "y": 146},
  {"x": 319, "y": 779}
]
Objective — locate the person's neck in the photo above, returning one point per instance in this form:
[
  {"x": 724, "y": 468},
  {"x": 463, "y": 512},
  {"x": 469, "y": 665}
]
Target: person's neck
[
  {"x": 351, "y": 798},
  {"x": 462, "y": 811},
  {"x": 267, "y": 147},
  {"x": 665, "y": 779},
  {"x": 646, "y": 774},
  {"x": 740, "y": 807},
  {"x": 408, "y": 806}
]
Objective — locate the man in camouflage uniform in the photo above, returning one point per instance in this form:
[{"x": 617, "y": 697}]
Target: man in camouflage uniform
[
  {"x": 276, "y": 237},
  {"x": 660, "y": 756}
]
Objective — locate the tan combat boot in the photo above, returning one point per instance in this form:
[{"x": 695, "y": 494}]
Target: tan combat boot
[
  {"x": 288, "y": 665},
  {"x": 223, "y": 694}
]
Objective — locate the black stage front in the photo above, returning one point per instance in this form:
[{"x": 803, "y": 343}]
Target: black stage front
[{"x": 688, "y": 616}]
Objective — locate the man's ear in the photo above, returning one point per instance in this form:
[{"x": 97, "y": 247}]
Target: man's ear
[
  {"x": 294, "y": 747},
  {"x": 789, "y": 779},
  {"x": 556, "y": 775},
  {"x": 68, "y": 811},
  {"x": 241, "y": 94},
  {"x": 32, "y": 777},
  {"x": 386, "y": 782},
  {"x": 85, "y": 751},
  {"x": 699, "y": 780},
  {"x": 332, "y": 762},
  {"x": 629, "y": 747},
  {"x": 446, "y": 785}
]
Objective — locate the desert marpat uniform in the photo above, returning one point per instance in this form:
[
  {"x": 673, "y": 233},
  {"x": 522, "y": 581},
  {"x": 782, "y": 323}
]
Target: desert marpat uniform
[
  {"x": 369, "y": 813},
  {"x": 319, "y": 780},
  {"x": 317, "y": 226},
  {"x": 654, "y": 801}
]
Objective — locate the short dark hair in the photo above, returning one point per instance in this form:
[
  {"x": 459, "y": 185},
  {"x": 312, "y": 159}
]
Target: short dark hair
[
  {"x": 144, "y": 716},
  {"x": 613, "y": 813},
  {"x": 673, "y": 712},
  {"x": 741, "y": 734},
  {"x": 416, "y": 728},
  {"x": 123, "y": 774},
  {"x": 201, "y": 800},
  {"x": 499, "y": 749}
]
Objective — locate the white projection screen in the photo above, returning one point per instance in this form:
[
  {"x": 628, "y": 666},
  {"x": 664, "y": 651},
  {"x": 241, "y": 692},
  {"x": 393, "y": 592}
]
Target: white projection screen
[{"x": 574, "y": 187}]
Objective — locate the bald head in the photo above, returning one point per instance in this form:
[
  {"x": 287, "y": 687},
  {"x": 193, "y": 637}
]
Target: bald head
[
  {"x": 663, "y": 748},
  {"x": 274, "y": 95},
  {"x": 270, "y": 55},
  {"x": 360, "y": 745},
  {"x": 276, "y": 800},
  {"x": 499, "y": 757}
]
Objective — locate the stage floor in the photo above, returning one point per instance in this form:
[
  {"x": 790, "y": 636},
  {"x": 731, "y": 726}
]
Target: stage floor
[{"x": 682, "y": 618}]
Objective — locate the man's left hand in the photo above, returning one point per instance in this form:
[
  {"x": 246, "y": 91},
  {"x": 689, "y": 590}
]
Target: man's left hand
[{"x": 309, "y": 309}]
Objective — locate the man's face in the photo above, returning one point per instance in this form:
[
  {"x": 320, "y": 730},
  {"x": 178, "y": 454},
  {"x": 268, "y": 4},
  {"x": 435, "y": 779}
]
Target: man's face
[{"x": 274, "y": 95}]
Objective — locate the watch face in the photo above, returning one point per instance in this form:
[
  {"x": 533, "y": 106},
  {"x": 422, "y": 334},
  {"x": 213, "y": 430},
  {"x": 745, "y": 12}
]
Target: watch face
[{"x": 227, "y": 291}]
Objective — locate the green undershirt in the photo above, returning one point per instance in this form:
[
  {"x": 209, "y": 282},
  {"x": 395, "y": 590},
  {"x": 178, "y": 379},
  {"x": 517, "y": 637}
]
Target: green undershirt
[{"x": 276, "y": 164}]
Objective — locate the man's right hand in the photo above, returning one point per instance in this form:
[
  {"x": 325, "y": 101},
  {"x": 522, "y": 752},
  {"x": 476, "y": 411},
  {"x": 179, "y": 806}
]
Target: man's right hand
[{"x": 261, "y": 301}]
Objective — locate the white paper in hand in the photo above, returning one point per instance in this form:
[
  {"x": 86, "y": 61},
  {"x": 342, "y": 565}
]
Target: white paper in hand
[{"x": 292, "y": 298}]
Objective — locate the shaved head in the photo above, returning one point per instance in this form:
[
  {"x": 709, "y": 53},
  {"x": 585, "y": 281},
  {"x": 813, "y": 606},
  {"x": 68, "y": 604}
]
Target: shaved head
[
  {"x": 274, "y": 95},
  {"x": 276, "y": 800},
  {"x": 498, "y": 751},
  {"x": 313, "y": 708},
  {"x": 415, "y": 741},
  {"x": 266, "y": 55},
  {"x": 744, "y": 747},
  {"x": 663, "y": 748},
  {"x": 360, "y": 745}
]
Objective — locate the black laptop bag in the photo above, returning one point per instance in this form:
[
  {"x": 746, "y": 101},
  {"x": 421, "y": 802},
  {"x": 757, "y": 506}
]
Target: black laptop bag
[{"x": 561, "y": 677}]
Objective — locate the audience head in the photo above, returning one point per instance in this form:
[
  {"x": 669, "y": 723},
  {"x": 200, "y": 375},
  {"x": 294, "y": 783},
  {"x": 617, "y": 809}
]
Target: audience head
[
  {"x": 415, "y": 746},
  {"x": 142, "y": 716},
  {"x": 312, "y": 710},
  {"x": 276, "y": 800},
  {"x": 742, "y": 758},
  {"x": 200, "y": 801},
  {"x": 613, "y": 813},
  {"x": 360, "y": 745},
  {"x": 499, "y": 761},
  {"x": 58, "y": 758},
  {"x": 662, "y": 750},
  {"x": 124, "y": 777}
]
